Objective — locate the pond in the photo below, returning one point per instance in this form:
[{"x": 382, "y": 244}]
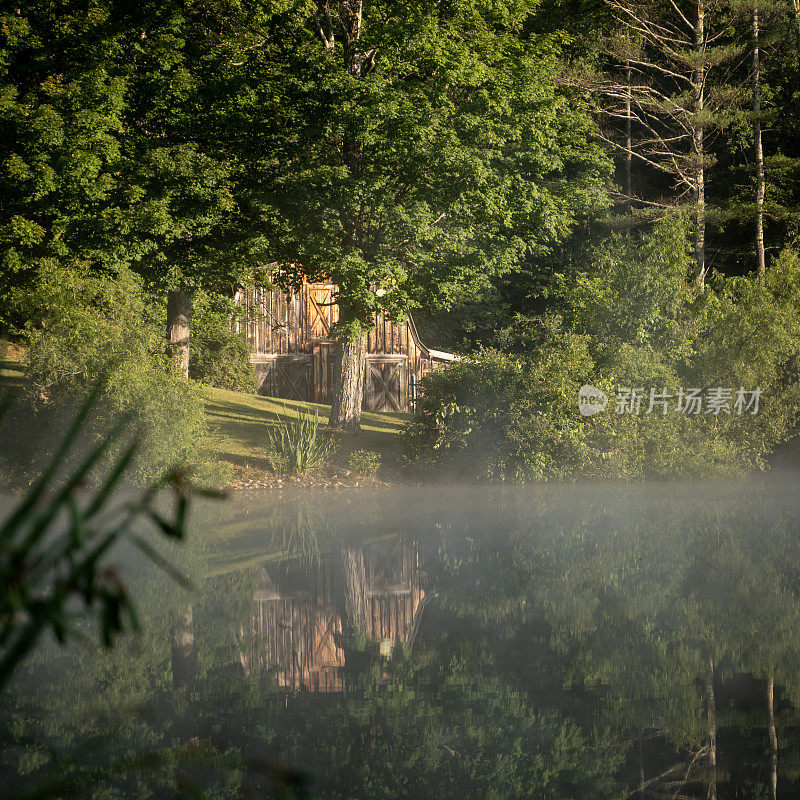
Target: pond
[{"x": 550, "y": 642}]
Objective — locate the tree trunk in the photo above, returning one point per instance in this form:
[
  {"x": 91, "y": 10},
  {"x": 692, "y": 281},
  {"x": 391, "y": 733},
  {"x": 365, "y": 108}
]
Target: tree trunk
[
  {"x": 711, "y": 708},
  {"x": 179, "y": 315},
  {"x": 349, "y": 384},
  {"x": 773, "y": 739},
  {"x": 349, "y": 389},
  {"x": 700, "y": 189},
  {"x": 628, "y": 143},
  {"x": 355, "y": 598},
  {"x": 759, "y": 152}
]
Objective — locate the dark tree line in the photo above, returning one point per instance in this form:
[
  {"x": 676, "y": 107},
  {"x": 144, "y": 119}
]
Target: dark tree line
[{"x": 429, "y": 155}]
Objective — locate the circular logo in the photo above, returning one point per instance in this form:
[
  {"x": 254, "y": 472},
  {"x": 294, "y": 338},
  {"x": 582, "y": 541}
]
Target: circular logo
[{"x": 591, "y": 400}]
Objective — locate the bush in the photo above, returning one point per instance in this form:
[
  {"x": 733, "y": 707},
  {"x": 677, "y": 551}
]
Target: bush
[
  {"x": 527, "y": 427},
  {"x": 91, "y": 327},
  {"x": 503, "y": 417},
  {"x": 218, "y": 356},
  {"x": 365, "y": 462},
  {"x": 632, "y": 320},
  {"x": 52, "y": 541},
  {"x": 298, "y": 446}
]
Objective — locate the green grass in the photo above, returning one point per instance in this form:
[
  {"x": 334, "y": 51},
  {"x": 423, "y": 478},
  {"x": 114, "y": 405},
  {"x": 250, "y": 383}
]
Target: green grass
[
  {"x": 238, "y": 424},
  {"x": 12, "y": 373}
]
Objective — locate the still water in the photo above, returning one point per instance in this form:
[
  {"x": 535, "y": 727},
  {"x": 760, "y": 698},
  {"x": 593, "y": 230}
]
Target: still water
[{"x": 557, "y": 642}]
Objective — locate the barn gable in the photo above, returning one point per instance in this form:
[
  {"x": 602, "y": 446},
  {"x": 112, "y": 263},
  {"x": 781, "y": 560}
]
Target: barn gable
[{"x": 293, "y": 350}]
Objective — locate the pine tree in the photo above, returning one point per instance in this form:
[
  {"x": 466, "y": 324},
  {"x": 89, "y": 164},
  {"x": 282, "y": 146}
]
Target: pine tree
[{"x": 674, "y": 52}]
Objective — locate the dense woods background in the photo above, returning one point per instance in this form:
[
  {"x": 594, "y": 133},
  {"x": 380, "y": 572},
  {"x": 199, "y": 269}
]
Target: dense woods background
[{"x": 601, "y": 192}]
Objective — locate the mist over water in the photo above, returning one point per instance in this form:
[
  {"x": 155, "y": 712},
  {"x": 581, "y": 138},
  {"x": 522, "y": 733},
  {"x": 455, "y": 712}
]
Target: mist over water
[{"x": 558, "y": 641}]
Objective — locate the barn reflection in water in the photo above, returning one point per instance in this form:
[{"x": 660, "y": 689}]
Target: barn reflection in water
[{"x": 301, "y": 612}]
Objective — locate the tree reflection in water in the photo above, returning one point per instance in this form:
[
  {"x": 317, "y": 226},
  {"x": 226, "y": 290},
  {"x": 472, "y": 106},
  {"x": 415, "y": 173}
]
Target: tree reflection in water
[{"x": 590, "y": 643}]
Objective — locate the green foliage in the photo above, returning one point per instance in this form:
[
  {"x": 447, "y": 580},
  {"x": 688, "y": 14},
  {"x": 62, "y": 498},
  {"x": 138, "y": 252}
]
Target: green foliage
[
  {"x": 100, "y": 142},
  {"x": 501, "y": 417},
  {"x": 630, "y": 320},
  {"x": 365, "y": 462},
  {"x": 60, "y": 115},
  {"x": 218, "y": 356},
  {"x": 413, "y": 178},
  {"x": 630, "y": 294},
  {"x": 298, "y": 446},
  {"x": 91, "y": 326}
]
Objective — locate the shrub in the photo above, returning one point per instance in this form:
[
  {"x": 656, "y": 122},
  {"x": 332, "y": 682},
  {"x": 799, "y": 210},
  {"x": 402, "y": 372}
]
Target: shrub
[
  {"x": 504, "y": 417},
  {"x": 525, "y": 427},
  {"x": 298, "y": 446},
  {"x": 365, "y": 462},
  {"x": 90, "y": 327},
  {"x": 52, "y": 542},
  {"x": 218, "y": 356},
  {"x": 631, "y": 319}
]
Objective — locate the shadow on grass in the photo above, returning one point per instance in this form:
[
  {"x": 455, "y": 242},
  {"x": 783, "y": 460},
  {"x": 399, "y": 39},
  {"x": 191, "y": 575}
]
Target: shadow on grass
[
  {"x": 239, "y": 424},
  {"x": 12, "y": 374}
]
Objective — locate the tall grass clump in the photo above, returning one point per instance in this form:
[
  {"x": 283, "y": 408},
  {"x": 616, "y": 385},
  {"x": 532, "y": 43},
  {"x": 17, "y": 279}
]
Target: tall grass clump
[{"x": 298, "y": 446}]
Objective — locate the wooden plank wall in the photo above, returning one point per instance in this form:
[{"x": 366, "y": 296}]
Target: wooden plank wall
[
  {"x": 281, "y": 325},
  {"x": 294, "y": 631}
]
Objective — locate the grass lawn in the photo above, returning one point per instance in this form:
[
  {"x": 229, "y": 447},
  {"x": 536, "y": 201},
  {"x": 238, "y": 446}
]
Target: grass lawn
[
  {"x": 238, "y": 422},
  {"x": 12, "y": 372},
  {"x": 238, "y": 426}
]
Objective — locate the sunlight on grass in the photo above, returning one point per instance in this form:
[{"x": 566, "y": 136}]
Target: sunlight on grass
[{"x": 239, "y": 422}]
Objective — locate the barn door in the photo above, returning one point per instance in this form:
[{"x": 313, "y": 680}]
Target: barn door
[
  {"x": 320, "y": 310},
  {"x": 290, "y": 377},
  {"x": 324, "y": 369},
  {"x": 384, "y": 385}
]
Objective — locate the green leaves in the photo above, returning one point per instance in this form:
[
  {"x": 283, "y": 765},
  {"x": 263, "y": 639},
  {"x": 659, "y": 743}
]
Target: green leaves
[
  {"x": 435, "y": 167},
  {"x": 298, "y": 446}
]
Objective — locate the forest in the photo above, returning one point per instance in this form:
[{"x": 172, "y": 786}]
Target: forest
[
  {"x": 593, "y": 193},
  {"x": 567, "y": 567}
]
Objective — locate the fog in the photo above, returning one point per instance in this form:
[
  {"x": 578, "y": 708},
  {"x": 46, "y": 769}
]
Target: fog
[{"x": 593, "y": 640}]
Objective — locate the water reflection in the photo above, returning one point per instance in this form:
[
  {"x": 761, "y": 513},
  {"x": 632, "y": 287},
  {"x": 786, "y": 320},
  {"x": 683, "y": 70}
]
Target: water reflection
[
  {"x": 302, "y": 612},
  {"x": 568, "y": 643}
]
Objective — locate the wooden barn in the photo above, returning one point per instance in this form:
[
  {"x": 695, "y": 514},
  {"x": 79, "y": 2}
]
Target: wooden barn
[{"x": 293, "y": 350}]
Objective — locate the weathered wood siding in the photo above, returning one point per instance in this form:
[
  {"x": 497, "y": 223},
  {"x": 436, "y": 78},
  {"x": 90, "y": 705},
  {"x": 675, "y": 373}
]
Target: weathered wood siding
[{"x": 293, "y": 351}]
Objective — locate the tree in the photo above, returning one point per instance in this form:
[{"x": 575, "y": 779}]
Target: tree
[
  {"x": 408, "y": 153},
  {"x": 759, "y": 152},
  {"x": 796, "y": 12},
  {"x": 671, "y": 48},
  {"x": 177, "y": 204},
  {"x": 106, "y": 166},
  {"x": 60, "y": 118}
]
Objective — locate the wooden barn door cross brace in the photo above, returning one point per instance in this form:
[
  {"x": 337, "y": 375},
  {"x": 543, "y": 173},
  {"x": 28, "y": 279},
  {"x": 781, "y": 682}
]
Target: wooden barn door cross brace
[
  {"x": 320, "y": 315},
  {"x": 298, "y": 395},
  {"x": 389, "y": 394}
]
